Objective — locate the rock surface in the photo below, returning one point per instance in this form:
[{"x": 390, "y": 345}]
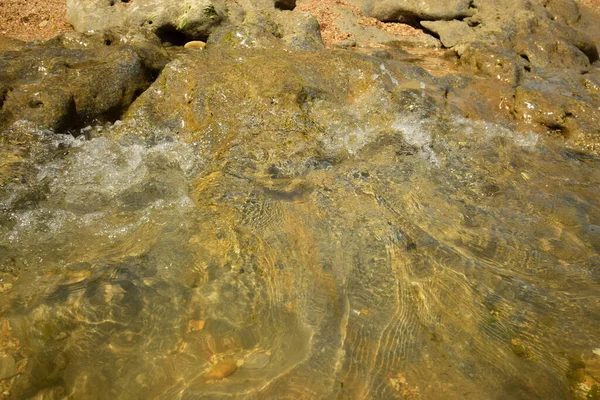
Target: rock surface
[
  {"x": 8, "y": 367},
  {"x": 452, "y": 32},
  {"x": 408, "y": 10},
  {"x": 172, "y": 21},
  {"x": 73, "y": 79},
  {"x": 194, "y": 19}
]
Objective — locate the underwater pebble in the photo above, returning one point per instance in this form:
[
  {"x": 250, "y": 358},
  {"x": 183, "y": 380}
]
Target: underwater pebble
[
  {"x": 8, "y": 367},
  {"x": 221, "y": 370},
  {"x": 596, "y": 351},
  {"x": 196, "y": 325}
]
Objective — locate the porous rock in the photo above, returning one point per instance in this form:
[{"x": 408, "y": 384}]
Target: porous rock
[{"x": 75, "y": 78}]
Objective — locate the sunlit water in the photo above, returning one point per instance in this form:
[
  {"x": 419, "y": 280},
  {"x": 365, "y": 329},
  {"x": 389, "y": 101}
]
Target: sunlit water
[{"x": 454, "y": 263}]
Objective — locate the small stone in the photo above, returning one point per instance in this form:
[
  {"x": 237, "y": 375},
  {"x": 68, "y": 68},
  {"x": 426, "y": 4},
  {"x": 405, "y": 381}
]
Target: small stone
[
  {"x": 8, "y": 367},
  {"x": 519, "y": 349},
  {"x": 195, "y": 45},
  {"x": 196, "y": 325},
  {"x": 596, "y": 352},
  {"x": 221, "y": 370},
  {"x": 43, "y": 23}
]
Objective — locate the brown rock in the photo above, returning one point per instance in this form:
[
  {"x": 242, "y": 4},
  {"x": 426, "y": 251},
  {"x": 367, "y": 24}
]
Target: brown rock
[
  {"x": 221, "y": 370},
  {"x": 8, "y": 367}
]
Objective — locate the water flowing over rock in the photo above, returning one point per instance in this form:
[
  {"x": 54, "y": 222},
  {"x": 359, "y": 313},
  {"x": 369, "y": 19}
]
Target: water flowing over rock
[{"x": 268, "y": 218}]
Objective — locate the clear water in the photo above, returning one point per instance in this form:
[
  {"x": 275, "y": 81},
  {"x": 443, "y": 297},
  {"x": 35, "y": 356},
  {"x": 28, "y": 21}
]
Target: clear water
[{"x": 441, "y": 259}]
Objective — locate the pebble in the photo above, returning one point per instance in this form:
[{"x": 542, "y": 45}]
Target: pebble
[
  {"x": 8, "y": 367},
  {"x": 195, "y": 45},
  {"x": 596, "y": 351},
  {"x": 196, "y": 325},
  {"x": 221, "y": 370},
  {"x": 43, "y": 23}
]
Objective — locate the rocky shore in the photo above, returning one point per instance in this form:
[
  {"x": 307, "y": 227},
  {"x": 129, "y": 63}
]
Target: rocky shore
[{"x": 304, "y": 137}]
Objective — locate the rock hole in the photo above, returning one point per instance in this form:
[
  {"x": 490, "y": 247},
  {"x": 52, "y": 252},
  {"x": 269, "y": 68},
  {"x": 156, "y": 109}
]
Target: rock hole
[
  {"x": 137, "y": 93},
  {"x": 35, "y": 103},
  {"x": 527, "y": 68},
  {"x": 3, "y": 94},
  {"x": 112, "y": 3},
  {"x": 125, "y": 1},
  {"x": 559, "y": 130},
  {"x": 170, "y": 34},
  {"x": 285, "y": 4},
  {"x": 524, "y": 57},
  {"x": 107, "y": 42}
]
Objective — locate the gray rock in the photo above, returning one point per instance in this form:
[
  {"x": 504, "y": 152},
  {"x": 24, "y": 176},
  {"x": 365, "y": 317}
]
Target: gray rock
[
  {"x": 564, "y": 11},
  {"x": 193, "y": 19},
  {"x": 8, "y": 367},
  {"x": 73, "y": 79},
  {"x": 451, "y": 33},
  {"x": 408, "y": 10},
  {"x": 270, "y": 29},
  {"x": 346, "y": 44}
]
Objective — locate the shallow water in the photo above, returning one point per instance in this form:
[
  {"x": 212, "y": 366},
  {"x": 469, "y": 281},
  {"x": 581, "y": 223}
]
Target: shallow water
[{"x": 442, "y": 259}]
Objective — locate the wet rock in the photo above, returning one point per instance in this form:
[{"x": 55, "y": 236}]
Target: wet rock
[
  {"x": 192, "y": 20},
  {"x": 221, "y": 370},
  {"x": 302, "y": 98},
  {"x": 451, "y": 33},
  {"x": 520, "y": 350},
  {"x": 492, "y": 61},
  {"x": 562, "y": 107},
  {"x": 8, "y": 367},
  {"x": 257, "y": 361},
  {"x": 73, "y": 79},
  {"x": 406, "y": 10},
  {"x": 196, "y": 325},
  {"x": 54, "y": 393}
]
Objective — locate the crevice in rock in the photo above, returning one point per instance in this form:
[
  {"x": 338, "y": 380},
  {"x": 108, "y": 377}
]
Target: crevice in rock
[
  {"x": 170, "y": 34},
  {"x": 285, "y": 4},
  {"x": 3, "y": 94}
]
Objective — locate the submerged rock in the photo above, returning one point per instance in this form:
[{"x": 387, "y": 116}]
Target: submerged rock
[{"x": 8, "y": 367}]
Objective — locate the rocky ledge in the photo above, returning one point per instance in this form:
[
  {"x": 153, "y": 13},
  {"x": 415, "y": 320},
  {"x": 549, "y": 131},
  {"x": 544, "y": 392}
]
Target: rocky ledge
[{"x": 529, "y": 64}]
